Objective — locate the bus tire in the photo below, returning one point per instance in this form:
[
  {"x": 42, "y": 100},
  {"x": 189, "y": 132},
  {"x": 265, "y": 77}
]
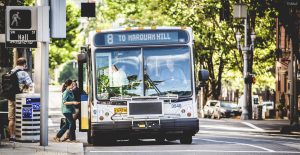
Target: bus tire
[{"x": 186, "y": 139}]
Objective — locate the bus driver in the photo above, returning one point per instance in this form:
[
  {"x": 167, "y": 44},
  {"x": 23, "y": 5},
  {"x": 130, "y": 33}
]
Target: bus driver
[
  {"x": 171, "y": 74},
  {"x": 119, "y": 77}
]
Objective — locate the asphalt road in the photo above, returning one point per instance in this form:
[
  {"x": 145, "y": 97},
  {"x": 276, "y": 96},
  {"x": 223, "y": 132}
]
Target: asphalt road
[{"x": 216, "y": 137}]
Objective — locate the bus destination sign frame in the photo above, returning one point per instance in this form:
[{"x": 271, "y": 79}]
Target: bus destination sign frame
[{"x": 141, "y": 37}]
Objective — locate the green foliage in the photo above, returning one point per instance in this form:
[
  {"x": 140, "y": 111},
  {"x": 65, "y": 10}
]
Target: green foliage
[
  {"x": 68, "y": 72},
  {"x": 62, "y": 50},
  {"x": 215, "y": 42},
  {"x": 29, "y": 2}
]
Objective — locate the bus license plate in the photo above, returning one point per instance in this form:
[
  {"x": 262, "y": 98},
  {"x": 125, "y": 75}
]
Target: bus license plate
[{"x": 120, "y": 110}]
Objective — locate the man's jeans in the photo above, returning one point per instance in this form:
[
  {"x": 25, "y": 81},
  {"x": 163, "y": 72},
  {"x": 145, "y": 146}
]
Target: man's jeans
[{"x": 70, "y": 124}]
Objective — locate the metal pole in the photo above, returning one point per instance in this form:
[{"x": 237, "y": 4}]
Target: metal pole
[
  {"x": 43, "y": 51},
  {"x": 291, "y": 81},
  {"x": 201, "y": 99},
  {"x": 245, "y": 113},
  {"x": 44, "y": 94},
  {"x": 296, "y": 115}
]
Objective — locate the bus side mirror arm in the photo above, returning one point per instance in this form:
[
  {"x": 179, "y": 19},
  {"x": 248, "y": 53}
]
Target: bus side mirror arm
[{"x": 203, "y": 76}]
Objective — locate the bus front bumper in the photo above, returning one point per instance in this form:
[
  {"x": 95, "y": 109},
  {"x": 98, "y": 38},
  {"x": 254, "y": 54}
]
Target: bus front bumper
[{"x": 147, "y": 128}]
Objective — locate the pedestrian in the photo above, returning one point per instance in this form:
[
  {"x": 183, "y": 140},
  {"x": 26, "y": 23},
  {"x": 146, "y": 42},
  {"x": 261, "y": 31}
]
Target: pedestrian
[
  {"x": 76, "y": 93},
  {"x": 68, "y": 110},
  {"x": 24, "y": 84}
]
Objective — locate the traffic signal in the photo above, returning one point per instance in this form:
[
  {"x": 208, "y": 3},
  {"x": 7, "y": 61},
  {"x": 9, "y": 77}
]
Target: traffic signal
[
  {"x": 20, "y": 19},
  {"x": 250, "y": 79},
  {"x": 253, "y": 79},
  {"x": 88, "y": 10}
]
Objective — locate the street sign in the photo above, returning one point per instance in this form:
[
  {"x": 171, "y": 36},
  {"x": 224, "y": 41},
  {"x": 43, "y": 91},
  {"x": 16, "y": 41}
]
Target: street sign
[{"x": 21, "y": 27}]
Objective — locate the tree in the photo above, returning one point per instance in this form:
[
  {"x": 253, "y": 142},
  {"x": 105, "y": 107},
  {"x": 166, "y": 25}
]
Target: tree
[
  {"x": 215, "y": 44},
  {"x": 68, "y": 72},
  {"x": 62, "y": 50}
]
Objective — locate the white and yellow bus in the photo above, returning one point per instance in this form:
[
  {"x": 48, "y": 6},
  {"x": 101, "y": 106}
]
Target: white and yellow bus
[{"x": 141, "y": 85}]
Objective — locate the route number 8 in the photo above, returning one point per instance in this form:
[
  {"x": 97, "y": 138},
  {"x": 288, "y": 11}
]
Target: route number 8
[{"x": 110, "y": 39}]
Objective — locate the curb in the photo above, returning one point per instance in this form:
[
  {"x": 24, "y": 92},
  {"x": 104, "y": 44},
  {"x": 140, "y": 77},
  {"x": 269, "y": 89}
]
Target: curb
[{"x": 34, "y": 148}]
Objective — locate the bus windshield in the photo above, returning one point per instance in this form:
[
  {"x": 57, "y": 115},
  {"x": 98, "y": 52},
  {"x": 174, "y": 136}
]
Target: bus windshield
[{"x": 151, "y": 71}]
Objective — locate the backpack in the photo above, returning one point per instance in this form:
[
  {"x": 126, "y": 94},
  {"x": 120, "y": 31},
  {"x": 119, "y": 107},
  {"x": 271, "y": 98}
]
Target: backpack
[{"x": 10, "y": 85}]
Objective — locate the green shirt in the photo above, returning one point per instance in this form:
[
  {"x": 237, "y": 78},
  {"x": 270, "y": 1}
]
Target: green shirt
[{"x": 67, "y": 96}]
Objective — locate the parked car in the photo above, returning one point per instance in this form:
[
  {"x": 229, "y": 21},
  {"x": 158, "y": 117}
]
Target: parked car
[
  {"x": 218, "y": 109},
  {"x": 209, "y": 108},
  {"x": 267, "y": 105},
  {"x": 224, "y": 110},
  {"x": 236, "y": 110}
]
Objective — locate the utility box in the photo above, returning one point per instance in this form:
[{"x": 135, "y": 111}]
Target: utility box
[
  {"x": 27, "y": 117},
  {"x": 260, "y": 112}
]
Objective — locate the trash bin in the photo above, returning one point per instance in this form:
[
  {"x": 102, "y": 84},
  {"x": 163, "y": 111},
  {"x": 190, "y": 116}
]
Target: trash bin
[
  {"x": 27, "y": 117},
  {"x": 259, "y": 112}
]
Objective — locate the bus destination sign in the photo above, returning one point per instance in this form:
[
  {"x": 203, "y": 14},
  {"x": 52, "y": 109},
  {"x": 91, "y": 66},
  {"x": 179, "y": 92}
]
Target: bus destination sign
[{"x": 141, "y": 37}]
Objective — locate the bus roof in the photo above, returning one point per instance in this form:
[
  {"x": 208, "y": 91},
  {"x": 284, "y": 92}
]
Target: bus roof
[{"x": 143, "y": 28}]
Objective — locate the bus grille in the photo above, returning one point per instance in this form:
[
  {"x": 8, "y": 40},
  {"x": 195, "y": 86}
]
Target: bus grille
[{"x": 138, "y": 108}]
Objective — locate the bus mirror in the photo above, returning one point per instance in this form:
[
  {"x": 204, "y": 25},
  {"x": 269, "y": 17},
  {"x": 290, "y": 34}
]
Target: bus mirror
[
  {"x": 82, "y": 57},
  {"x": 203, "y": 75}
]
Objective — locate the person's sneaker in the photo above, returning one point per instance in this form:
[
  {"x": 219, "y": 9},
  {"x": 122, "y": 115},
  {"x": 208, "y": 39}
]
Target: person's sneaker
[
  {"x": 56, "y": 139},
  {"x": 65, "y": 139},
  {"x": 12, "y": 139}
]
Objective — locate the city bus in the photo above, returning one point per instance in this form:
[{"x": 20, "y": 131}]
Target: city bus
[{"x": 140, "y": 85}]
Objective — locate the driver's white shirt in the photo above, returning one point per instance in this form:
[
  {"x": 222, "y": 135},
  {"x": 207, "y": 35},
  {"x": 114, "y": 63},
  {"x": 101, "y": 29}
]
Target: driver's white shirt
[{"x": 119, "y": 78}]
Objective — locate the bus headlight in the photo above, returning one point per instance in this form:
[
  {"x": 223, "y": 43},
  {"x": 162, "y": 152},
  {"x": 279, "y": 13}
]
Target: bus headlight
[
  {"x": 101, "y": 118},
  {"x": 182, "y": 110},
  {"x": 107, "y": 114},
  {"x": 189, "y": 114}
]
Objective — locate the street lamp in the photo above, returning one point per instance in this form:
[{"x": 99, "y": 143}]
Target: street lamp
[{"x": 240, "y": 12}]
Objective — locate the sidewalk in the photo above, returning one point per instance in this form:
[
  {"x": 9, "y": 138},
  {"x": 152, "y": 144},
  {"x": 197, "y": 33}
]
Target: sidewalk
[
  {"x": 63, "y": 148},
  {"x": 53, "y": 148}
]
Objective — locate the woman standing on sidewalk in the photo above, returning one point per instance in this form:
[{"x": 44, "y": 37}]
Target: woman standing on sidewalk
[{"x": 68, "y": 109}]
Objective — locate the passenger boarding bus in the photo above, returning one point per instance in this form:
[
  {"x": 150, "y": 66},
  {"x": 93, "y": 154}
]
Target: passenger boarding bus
[{"x": 141, "y": 85}]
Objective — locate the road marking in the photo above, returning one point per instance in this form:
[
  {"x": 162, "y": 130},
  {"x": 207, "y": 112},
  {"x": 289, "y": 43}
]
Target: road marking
[
  {"x": 274, "y": 138},
  {"x": 209, "y": 151},
  {"x": 225, "y": 127},
  {"x": 259, "y": 147},
  {"x": 253, "y": 126}
]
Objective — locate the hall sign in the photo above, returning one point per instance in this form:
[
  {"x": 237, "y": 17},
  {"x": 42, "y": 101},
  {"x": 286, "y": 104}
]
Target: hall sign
[{"x": 21, "y": 27}]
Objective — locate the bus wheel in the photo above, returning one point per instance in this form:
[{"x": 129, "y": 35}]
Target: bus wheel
[{"x": 186, "y": 139}]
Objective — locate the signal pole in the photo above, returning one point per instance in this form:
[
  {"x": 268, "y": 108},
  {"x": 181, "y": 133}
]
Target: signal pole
[
  {"x": 41, "y": 70},
  {"x": 240, "y": 12}
]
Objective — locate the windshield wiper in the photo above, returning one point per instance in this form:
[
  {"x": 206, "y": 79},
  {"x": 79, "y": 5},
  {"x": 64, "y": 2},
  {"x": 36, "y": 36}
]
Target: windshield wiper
[{"x": 152, "y": 83}]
